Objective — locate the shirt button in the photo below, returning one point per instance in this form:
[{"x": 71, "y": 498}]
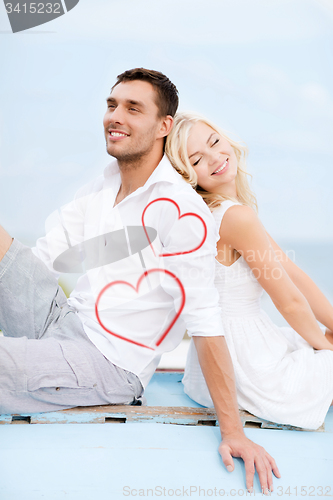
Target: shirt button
[{"x": 57, "y": 388}]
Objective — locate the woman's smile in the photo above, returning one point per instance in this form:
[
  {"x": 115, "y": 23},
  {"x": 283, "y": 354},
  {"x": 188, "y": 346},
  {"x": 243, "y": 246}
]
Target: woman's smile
[{"x": 222, "y": 168}]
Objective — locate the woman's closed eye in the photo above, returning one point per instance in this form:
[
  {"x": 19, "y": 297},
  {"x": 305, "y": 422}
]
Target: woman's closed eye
[{"x": 217, "y": 140}]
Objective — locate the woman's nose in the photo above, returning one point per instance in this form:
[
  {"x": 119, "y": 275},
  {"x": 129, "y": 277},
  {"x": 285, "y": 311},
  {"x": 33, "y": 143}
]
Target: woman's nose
[{"x": 213, "y": 157}]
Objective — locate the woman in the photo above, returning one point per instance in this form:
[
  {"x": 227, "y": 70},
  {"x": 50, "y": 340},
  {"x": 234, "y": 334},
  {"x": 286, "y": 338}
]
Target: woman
[{"x": 285, "y": 374}]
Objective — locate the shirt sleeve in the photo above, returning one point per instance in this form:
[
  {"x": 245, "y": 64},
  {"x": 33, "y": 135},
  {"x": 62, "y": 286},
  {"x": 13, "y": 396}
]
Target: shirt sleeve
[
  {"x": 64, "y": 229},
  {"x": 195, "y": 269}
]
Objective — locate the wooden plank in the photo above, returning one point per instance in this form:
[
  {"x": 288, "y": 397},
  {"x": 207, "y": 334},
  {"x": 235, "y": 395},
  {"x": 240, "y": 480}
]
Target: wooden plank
[{"x": 181, "y": 415}]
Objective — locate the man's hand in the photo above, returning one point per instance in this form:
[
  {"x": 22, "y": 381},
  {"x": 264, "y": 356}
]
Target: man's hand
[
  {"x": 218, "y": 371},
  {"x": 255, "y": 458}
]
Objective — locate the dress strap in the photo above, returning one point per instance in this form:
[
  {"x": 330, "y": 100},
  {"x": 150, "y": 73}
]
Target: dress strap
[{"x": 219, "y": 212}]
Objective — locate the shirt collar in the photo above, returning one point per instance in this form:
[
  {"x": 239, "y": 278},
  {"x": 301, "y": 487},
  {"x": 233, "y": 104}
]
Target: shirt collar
[{"x": 164, "y": 172}]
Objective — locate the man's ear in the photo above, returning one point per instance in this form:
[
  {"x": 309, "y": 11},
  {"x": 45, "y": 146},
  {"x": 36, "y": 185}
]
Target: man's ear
[{"x": 166, "y": 126}]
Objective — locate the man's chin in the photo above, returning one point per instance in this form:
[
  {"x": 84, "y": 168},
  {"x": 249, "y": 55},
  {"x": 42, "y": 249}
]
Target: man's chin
[
  {"x": 126, "y": 157},
  {"x": 112, "y": 150}
]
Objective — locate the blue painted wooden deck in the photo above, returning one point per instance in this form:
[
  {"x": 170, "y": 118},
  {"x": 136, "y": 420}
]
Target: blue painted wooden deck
[{"x": 152, "y": 460}]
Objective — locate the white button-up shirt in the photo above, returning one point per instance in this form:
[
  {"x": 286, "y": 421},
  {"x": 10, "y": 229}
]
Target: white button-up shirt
[{"x": 126, "y": 313}]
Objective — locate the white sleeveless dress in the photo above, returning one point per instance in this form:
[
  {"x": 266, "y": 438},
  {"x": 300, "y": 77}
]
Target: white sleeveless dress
[{"x": 279, "y": 376}]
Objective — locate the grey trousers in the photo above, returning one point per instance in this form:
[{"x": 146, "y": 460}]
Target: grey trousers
[{"x": 47, "y": 362}]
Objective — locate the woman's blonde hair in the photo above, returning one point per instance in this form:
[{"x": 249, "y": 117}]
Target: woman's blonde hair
[{"x": 176, "y": 149}]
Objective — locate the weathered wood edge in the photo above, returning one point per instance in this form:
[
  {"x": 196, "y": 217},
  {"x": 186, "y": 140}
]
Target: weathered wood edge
[{"x": 181, "y": 415}]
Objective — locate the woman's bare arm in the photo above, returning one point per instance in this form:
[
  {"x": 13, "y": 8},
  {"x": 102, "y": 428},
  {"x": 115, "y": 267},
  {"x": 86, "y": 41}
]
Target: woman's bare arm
[
  {"x": 321, "y": 307},
  {"x": 243, "y": 231}
]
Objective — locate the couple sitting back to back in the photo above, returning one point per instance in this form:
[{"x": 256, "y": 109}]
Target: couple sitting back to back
[{"x": 102, "y": 347}]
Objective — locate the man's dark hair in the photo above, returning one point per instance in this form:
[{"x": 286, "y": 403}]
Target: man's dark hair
[{"x": 166, "y": 91}]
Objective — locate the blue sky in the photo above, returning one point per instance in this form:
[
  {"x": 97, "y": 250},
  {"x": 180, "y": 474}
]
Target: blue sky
[{"x": 262, "y": 70}]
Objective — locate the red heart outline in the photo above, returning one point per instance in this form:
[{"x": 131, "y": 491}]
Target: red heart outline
[
  {"x": 179, "y": 217},
  {"x": 118, "y": 282}
]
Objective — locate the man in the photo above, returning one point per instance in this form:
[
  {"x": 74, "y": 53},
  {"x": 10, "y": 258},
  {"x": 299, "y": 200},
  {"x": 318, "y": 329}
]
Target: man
[{"x": 103, "y": 344}]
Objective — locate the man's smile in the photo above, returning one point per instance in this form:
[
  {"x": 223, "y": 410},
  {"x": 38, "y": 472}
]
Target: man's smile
[{"x": 116, "y": 135}]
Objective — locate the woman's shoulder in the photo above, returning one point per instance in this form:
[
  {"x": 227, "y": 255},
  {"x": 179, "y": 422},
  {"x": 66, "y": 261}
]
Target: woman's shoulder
[{"x": 233, "y": 212}]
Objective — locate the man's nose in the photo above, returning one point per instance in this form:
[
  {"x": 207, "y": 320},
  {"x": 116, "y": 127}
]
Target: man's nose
[{"x": 117, "y": 115}]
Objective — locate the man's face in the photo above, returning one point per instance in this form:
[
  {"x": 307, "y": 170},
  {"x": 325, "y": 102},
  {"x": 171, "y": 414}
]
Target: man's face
[{"x": 131, "y": 122}]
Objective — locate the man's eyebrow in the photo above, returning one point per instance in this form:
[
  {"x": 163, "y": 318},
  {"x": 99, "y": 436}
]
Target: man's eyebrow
[
  {"x": 128, "y": 101},
  {"x": 209, "y": 138},
  {"x": 140, "y": 104}
]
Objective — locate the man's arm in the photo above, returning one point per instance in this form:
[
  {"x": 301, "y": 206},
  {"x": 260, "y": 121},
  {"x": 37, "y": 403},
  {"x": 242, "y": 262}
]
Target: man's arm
[
  {"x": 202, "y": 317},
  {"x": 216, "y": 366}
]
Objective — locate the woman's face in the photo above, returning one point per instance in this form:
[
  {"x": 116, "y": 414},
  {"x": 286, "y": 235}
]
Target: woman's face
[{"x": 213, "y": 160}]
